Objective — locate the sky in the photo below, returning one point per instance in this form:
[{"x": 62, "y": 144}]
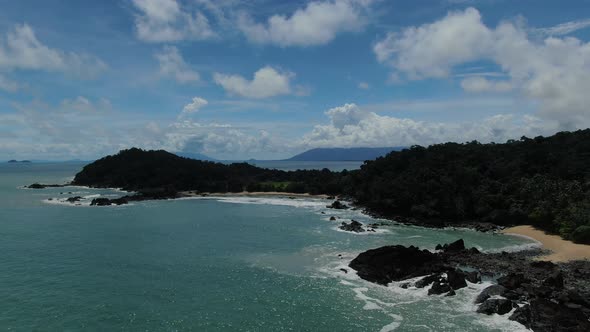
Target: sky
[{"x": 268, "y": 79}]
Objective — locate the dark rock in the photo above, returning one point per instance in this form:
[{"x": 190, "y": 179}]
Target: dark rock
[
  {"x": 73, "y": 199},
  {"x": 495, "y": 306},
  {"x": 490, "y": 291},
  {"x": 405, "y": 285},
  {"x": 544, "y": 315},
  {"x": 458, "y": 245},
  {"x": 344, "y": 270},
  {"x": 101, "y": 201},
  {"x": 544, "y": 265},
  {"x": 337, "y": 205},
  {"x": 427, "y": 280},
  {"x": 473, "y": 277},
  {"x": 451, "y": 293},
  {"x": 555, "y": 280},
  {"x": 353, "y": 226},
  {"x": 456, "y": 279},
  {"x": 522, "y": 315},
  {"x": 332, "y": 218},
  {"x": 395, "y": 263},
  {"x": 512, "y": 281},
  {"x": 439, "y": 287},
  {"x": 43, "y": 186}
]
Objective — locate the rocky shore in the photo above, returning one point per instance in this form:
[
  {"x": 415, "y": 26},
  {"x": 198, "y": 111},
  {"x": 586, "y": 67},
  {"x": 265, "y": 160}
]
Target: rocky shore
[{"x": 541, "y": 295}]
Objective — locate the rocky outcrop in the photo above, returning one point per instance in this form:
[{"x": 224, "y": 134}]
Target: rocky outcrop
[
  {"x": 102, "y": 201},
  {"x": 540, "y": 295},
  {"x": 73, "y": 199},
  {"x": 495, "y": 306},
  {"x": 338, "y": 205},
  {"x": 353, "y": 226},
  {"x": 493, "y": 290},
  {"x": 393, "y": 263},
  {"x": 458, "y": 245},
  {"x": 43, "y": 186}
]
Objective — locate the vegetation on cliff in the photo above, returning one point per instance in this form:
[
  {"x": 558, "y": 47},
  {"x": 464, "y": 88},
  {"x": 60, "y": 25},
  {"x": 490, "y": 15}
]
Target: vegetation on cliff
[
  {"x": 544, "y": 181},
  {"x": 161, "y": 171}
]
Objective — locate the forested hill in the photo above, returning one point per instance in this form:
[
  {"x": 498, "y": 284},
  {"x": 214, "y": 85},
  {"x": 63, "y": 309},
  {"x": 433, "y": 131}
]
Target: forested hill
[
  {"x": 343, "y": 154},
  {"x": 160, "y": 171},
  {"x": 544, "y": 181}
]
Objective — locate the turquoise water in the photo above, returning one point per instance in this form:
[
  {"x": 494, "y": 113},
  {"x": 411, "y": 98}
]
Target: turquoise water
[{"x": 216, "y": 264}]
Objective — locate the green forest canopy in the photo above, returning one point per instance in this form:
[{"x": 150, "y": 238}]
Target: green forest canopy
[{"x": 543, "y": 181}]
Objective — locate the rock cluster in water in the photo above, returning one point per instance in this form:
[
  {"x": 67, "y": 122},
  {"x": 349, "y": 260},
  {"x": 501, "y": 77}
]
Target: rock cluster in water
[
  {"x": 540, "y": 295},
  {"x": 338, "y": 205}
]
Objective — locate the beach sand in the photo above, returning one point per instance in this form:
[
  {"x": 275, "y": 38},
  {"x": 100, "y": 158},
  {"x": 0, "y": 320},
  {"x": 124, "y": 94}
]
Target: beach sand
[
  {"x": 562, "y": 250},
  {"x": 253, "y": 194}
]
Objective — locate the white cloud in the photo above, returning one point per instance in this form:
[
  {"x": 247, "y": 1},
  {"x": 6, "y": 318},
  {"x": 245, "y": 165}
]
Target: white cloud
[
  {"x": 316, "y": 24},
  {"x": 83, "y": 104},
  {"x": 22, "y": 50},
  {"x": 173, "y": 65},
  {"x": 167, "y": 21},
  {"x": 8, "y": 85},
  {"x": 350, "y": 126},
  {"x": 195, "y": 105},
  {"x": 267, "y": 82},
  {"x": 431, "y": 50},
  {"x": 551, "y": 71},
  {"x": 364, "y": 85},
  {"x": 565, "y": 28},
  {"x": 478, "y": 84}
]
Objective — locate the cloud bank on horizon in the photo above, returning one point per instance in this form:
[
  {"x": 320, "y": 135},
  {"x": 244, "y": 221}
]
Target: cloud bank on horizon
[{"x": 236, "y": 79}]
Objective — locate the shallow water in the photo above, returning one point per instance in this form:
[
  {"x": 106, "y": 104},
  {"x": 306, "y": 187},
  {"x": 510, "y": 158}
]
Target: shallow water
[{"x": 230, "y": 263}]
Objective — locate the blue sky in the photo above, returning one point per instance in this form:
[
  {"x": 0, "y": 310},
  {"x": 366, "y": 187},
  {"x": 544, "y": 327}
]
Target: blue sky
[{"x": 267, "y": 79}]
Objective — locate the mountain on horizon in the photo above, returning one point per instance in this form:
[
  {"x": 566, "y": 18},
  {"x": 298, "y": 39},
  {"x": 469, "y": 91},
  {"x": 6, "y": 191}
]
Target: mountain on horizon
[{"x": 343, "y": 154}]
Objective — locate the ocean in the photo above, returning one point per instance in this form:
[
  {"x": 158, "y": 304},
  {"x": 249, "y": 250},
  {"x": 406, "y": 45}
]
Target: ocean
[{"x": 208, "y": 264}]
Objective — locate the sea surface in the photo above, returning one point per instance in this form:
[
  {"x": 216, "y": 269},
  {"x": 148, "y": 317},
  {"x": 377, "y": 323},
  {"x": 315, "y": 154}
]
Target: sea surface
[{"x": 212, "y": 264}]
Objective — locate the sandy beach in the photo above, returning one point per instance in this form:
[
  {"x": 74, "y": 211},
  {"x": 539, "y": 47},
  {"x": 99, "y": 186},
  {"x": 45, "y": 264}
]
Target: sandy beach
[
  {"x": 254, "y": 194},
  {"x": 562, "y": 250}
]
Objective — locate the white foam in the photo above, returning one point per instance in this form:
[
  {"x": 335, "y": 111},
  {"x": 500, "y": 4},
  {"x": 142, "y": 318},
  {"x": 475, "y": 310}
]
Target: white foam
[
  {"x": 64, "y": 202},
  {"x": 377, "y": 231},
  {"x": 393, "y": 325},
  {"x": 295, "y": 202},
  {"x": 518, "y": 247},
  {"x": 372, "y": 306}
]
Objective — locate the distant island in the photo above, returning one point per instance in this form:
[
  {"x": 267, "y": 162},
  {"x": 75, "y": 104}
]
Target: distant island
[
  {"x": 343, "y": 154},
  {"x": 541, "y": 181},
  {"x": 13, "y": 161}
]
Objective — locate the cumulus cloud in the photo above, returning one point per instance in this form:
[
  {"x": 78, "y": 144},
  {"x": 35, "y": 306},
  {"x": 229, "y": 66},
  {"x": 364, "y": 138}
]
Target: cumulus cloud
[
  {"x": 550, "y": 71},
  {"x": 431, "y": 50},
  {"x": 21, "y": 49},
  {"x": 172, "y": 65},
  {"x": 478, "y": 84},
  {"x": 351, "y": 126},
  {"x": 316, "y": 24},
  {"x": 167, "y": 21},
  {"x": 194, "y": 106},
  {"x": 267, "y": 82}
]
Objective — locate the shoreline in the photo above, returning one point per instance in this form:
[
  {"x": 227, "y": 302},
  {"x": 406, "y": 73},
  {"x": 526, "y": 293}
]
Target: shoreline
[
  {"x": 253, "y": 194},
  {"x": 561, "y": 250}
]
